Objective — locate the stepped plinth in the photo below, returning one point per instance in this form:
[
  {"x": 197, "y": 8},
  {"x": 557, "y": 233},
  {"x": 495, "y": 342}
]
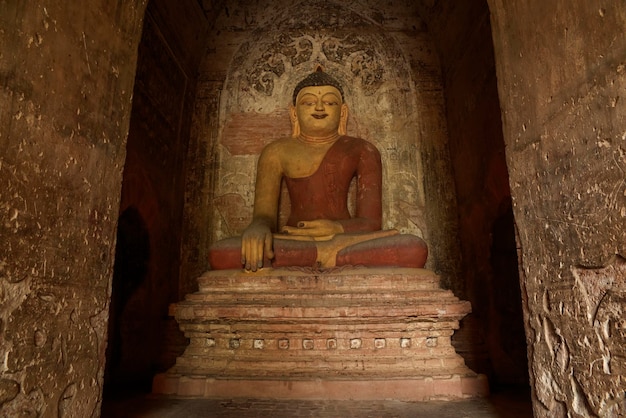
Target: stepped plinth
[{"x": 344, "y": 333}]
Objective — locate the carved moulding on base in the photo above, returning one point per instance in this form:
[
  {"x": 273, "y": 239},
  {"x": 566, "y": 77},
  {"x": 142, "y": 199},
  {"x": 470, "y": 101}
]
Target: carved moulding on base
[{"x": 353, "y": 333}]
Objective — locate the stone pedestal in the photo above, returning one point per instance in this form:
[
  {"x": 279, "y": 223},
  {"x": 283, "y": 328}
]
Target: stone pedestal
[{"x": 352, "y": 333}]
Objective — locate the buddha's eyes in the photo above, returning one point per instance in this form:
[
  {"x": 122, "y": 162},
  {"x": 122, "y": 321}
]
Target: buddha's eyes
[{"x": 314, "y": 102}]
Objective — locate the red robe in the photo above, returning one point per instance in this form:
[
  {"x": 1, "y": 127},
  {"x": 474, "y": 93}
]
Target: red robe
[{"x": 324, "y": 195}]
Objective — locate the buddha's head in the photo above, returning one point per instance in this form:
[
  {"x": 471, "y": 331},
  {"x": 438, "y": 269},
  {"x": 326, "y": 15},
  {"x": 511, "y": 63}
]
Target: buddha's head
[{"x": 318, "y": 110}]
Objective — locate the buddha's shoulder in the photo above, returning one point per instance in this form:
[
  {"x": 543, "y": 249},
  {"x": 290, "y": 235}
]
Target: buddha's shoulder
[
  {"x": 279, "y": 144},
  {"x": 359, "y": 143},
  {"x": 276, "y": 147}
]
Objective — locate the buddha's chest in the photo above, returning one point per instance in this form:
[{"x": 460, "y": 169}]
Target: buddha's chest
[{"x": 304, "y": 162}]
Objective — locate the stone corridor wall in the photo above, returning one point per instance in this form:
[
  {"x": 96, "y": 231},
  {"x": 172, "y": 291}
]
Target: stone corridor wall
[
  {"x": 561, "y": 69},
  {"x": 66, "y": 79}
]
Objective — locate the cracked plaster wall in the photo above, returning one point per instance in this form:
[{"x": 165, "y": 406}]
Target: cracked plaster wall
[
  {"x": 564, "y": 120},
  {"x": 66, "y": 79}
]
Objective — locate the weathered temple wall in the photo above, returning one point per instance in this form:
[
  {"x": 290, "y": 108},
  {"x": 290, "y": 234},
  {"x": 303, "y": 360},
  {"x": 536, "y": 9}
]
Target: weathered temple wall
[
  {"x": 146, "y": 274},
  {"x": 66, "y": 75},
  {"x": 561, "y": 69}
]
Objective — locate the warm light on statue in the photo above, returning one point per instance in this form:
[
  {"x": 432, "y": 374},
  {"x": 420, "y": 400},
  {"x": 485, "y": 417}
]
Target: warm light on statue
[{"x": 318, "y": 164}]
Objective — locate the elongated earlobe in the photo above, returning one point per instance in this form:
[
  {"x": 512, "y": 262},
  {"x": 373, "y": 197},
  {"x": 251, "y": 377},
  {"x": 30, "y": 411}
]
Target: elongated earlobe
[
  {"x": 295, "y": 129},
  {"x": 295, "y": 126},
  {"x": 343, "y": 120}
]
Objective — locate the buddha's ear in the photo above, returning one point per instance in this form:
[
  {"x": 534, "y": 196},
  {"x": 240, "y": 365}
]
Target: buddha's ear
[
  {"x": 343, "y": 120},
  {"x": 295, "y": 126}
]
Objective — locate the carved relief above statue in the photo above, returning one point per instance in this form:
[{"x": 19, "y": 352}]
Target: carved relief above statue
[
  {"x": 318, "y": 165},
  {"x": 352, "y": 51}
]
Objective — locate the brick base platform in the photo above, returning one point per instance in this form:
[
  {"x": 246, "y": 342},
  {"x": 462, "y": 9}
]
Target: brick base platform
[{"x": 351, "y": 333}]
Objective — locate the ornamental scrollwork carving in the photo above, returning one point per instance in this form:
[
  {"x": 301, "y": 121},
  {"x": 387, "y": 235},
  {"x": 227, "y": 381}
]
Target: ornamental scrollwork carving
[{"x": 354, "y": 52}]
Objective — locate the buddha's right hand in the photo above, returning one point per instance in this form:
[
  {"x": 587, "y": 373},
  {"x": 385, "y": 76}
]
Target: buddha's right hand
[{"x": 256, "y": 244}]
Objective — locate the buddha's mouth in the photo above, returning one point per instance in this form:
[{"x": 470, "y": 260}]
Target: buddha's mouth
[{"x": 320, "y": 116}]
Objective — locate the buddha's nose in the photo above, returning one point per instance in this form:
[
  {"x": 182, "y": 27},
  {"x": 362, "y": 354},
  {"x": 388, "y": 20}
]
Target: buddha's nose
[{"x": 319, "y": 105}]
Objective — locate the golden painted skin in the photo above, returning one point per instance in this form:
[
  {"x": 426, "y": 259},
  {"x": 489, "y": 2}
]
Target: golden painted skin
[{"x": 318, "y": 118}]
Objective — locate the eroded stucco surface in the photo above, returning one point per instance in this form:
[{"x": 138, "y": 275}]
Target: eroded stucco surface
[
  {"x": 564, "y": 118},
  {"x": 66, "y": 80}
]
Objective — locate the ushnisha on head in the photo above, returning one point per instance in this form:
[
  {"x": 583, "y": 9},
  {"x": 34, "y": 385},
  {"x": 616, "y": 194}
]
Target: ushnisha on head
[
  {"x": 316, "y": 79},
  {"x": 318, "y": 112}
]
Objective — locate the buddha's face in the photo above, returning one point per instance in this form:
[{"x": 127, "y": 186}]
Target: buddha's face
[{"x": 319, "y": 111}]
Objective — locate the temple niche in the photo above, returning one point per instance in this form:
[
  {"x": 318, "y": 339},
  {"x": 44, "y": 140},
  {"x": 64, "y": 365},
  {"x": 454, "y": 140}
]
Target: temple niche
[
  {"x": 386, "y": 106},
  {"x": 349, "y": 333}
]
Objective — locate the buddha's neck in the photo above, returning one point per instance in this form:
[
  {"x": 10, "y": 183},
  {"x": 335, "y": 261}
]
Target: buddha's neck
[{"x": 318, "y": 139}]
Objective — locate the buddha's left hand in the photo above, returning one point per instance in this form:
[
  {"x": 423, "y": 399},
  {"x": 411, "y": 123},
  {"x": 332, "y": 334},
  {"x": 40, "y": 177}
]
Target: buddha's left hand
[{"x": 316, "y": 228}]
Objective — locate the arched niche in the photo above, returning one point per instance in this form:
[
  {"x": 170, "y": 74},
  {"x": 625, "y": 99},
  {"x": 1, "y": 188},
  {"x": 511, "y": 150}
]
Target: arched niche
[{"x": 382, "y": 70}]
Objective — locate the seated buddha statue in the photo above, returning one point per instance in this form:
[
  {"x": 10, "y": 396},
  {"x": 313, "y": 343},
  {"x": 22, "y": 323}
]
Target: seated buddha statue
[{"x": 318, "y": 165}]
